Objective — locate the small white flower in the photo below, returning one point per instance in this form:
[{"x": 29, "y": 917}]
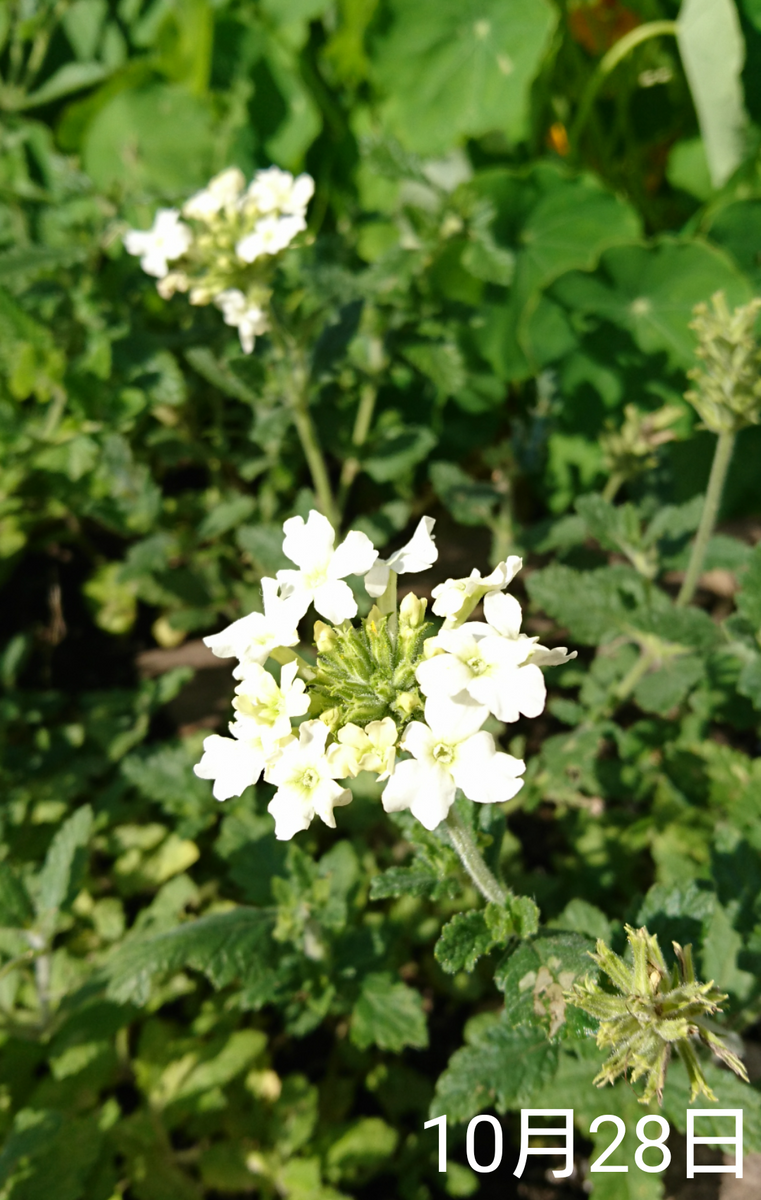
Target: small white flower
[
  {"x": 167, "y": 239},
  {"x": 418, "y": 554},
  {"x": 457, "y": 598},
  {"x": 488, "y": 662},
  {"x": 269, "y": 705},
  {"x": 223, "y": 191},
  {"x": 370, "y": 749},
  {"x": 270, "y": 235},
  {"x": 249, "y": 319},
  {"x": 306, "y": 783},
  {"x": 273, "y": 190},
  {"x": 252, "y": 638},
  {"x": 504, "y": 614},
  {"x": 321, "y": 577},
  {"x": 233, "y": 763},
  {"x": 450, "y": 751}
]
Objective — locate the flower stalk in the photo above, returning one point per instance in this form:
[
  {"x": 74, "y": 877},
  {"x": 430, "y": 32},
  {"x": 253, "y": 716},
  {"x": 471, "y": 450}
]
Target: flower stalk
[
  {"x": 721, "y": 460},
  {"x": 472, "y": 860}
]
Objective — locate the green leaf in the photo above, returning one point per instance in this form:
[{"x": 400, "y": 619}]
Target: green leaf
[
  {"x": 468, "y": 936},
  {"x": 721, "y": 947},
  {"x": 731, "y": 1092},
  {"x": 362, "y": 1151},
  {"x": 737, "y": 228},
  {"x": 593, "y": 605},
  {"x": 662, "y": 690},
  {"x": 470, "y": 501},
  {"x": 15, "y": 905},
  {"x": 652, "y": 290},
  {"x": 225, "y": 516},
  {"x": 442, "y": 363},
  {"x": 407, "y": 881},
  {"x": 388, "y": 1015},
  {"x": 58, "y": 880},
  {"x": 498, "y": 1067},
  {"x": 224, "y": 946},
  {"x": 749, "y": 599},
  {"x": 535, "y": 976},
  {"x": 712, "y": 49},
  {"x": 265, "y": 545},
  {"x": 71, "y": 77},
  {"x": 395, "y": 452},
  {"x": 140, "y": 140},
  {"x": 463, "y": 70}
]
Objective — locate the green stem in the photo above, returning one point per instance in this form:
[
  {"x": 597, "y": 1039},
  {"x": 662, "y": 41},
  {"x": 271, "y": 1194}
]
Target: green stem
[
  {"x": 310, "y": 443},
  {"x": 610, "y": 491},
  {"x": 721, "y": 459},
  {"x": 609, "y": 62},
  {"x": 350, "y": 469},
  {"x": 471, "y": 859}
]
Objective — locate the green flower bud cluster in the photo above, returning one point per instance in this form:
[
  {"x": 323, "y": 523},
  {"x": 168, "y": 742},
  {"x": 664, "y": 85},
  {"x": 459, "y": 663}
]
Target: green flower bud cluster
[
  {"x": 367, "y": 673},
  {"x": 656, "y": 1011},
  {"x": 727, "y": 392},
  {"x": 632, "y": 448}
]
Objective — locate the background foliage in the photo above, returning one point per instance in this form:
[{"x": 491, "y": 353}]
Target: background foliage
[{"x": 516, "y": 210}]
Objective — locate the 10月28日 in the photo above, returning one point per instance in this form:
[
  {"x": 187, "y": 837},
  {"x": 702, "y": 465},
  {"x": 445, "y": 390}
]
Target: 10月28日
[{"x": 564, "y": 1130}]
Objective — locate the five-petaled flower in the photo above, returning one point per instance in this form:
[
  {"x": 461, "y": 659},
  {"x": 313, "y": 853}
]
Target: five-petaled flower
[{"x": 320, "y": 579}]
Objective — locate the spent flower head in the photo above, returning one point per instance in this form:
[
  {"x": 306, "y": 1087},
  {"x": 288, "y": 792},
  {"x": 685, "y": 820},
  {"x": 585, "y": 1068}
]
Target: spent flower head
[
  {"x": 386, "y": 695},
  {"x": 655, "y": 1012},
  {"x": 727, "y": 391}
]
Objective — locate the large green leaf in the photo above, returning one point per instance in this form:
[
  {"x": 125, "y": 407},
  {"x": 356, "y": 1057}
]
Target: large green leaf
[
  {"x": 713, "y": 52},
  {"x": 652, "y": 290},
  {"x": 59, "y": 877},
  {"x": 567, "y": 226},
  {"x": 141, "y": 139},
  {"x": 460, "y": 68}
]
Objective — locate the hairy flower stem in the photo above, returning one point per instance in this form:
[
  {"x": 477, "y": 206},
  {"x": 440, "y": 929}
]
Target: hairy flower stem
[
  {"x": 721, "y": 459},
  {"x": 350, "y": 469},
  {"x": 613, "y": 486},
  {"x": 471, "y": 859}
]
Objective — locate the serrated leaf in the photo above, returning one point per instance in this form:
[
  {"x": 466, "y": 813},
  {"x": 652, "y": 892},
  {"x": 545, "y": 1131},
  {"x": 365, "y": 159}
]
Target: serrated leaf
[
  {"x": 58, "y": 880},
  {"x": 388, "y": 1015},
  {"x": 395, "y": 452},
  {"x": 499, "y": 1067},
  {"x": 593, "y": 605},
  {"x": 407, "y": 881},
  {"x": 535, "y": 976},
  {"x": 224, "y": 946},
  {"x": 470, "y": 501},
  {"x": 468, "y": 936}
]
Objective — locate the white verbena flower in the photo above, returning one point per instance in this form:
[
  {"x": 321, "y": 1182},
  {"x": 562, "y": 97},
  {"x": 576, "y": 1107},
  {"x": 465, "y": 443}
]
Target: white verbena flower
[
  {"x": 270, "y": 235},
  {"x": 249, "y": 319},
  {"x": 252, "y": 638},
  {"x": 273, "y": 191},
  {"x": 450, "y": 750},
  {"x": 488, "y": 662},
  {"x": 168, "y": 238},
  {"x": 233, "y": 763},
  {"x": 504, "y": 615},
  {"x": 268, "y": 705},
  {"x": 223, "y": 191},
  {"x": 418, "y": 554},
  {"x": 457, "y": 598},
  {"x": 306, "y": 783},
  {"x": 370, "y": 749},
  {"x": 321, "y": 578}
]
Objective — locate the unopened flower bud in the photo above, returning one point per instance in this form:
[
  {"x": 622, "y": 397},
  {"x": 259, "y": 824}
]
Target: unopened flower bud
[
  {"x": 412, "y": 611},
  {"x": 407, "y": 703},
  {"x": 325, "y": 638}
]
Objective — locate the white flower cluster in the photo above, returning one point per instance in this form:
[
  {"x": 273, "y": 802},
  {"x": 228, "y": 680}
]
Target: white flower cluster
[
  {"x": 223, "y": 249},
  {"x": 454, "y": 679}
]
